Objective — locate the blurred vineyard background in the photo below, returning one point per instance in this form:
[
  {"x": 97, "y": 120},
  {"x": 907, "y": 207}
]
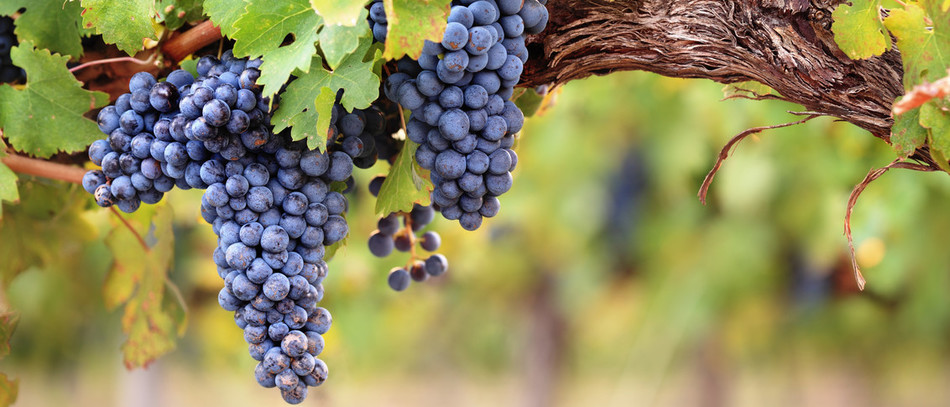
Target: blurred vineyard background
[{"x": 603, "y": 281}]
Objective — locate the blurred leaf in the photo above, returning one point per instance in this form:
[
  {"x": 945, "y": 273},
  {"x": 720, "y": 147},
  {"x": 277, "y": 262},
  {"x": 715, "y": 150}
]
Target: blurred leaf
[
  {"x": 411, "y": 22},
  {"x": 404, "y": 186},
  {"x": 529, "y": 101},
  {"x": 30, "y": 236},
  {"x": 296, "y": 107},
  {"x": 340, "y": 12},
  {"x": 139, "y": 276},
  {"x": 127, "y": 25},
  {"x": 338, "y": 41},
  {"x": 8, "y": 323},
  {"x": 263, "y": 28},
  {"x": 9, "y": 390},
  {"x": 8, "y": 189},
  {"x": 50, "y": 24},
  {"x": 46, "y": 116},
  {"x": 224, "y": 13},
  {"x": 858, "y": 29}
]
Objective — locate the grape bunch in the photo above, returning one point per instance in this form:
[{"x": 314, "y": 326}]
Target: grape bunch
[
  {"x": 8, "y": 71},
  {"x": 389, "y": 235},
  {"x": 459, "y": 97},
  {"x": 268, "y": 199}
]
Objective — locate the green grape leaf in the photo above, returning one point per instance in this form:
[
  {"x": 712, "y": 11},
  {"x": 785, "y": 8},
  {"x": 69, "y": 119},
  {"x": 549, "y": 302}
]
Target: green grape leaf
[
  {"x": 8, "y": 189},
  {"x": 340, "y": 12},
  {"x": 50, "y": 24},
  {"x": 338, "y": 41},
  {"x": 297, "y": 108},
  {"x": 858, "y": 29},
  {"x": 923, "y": 50},
  {"x": 907, "y": 135},
  {"x": 224, "y": 13},
  {"x": 46, "y": 116},
  {"x": 263, "y": 28},
  {"x": 138, "y": 278},
  {"x": 405, "y": 185},
  {"x": 175, "y": 13},
  {"x": 126, "y": 25},
  {"x": 411, "y": 22}
]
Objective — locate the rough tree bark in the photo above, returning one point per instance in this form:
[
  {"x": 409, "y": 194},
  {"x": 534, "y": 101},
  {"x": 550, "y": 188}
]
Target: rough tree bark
[{"x": 785, "y": 44}]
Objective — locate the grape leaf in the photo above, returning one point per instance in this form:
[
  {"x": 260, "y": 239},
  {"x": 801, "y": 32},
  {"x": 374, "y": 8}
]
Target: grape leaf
[
  {"x": 907, "y": 135},
  {"x": 338, "y": 41},
  {"x": 411, "y": 22},
  {"x": 404, "y": 185},
  {"x": 50, "y": 24},
  {"x": 297, "y": 108},
  {"x": 138, "y": 278},
  {"x": 923, "y": 50},
  {"x": 8, "y": 189},
  {"x": 126, "y": 25},
  {"x": 224, "y": 13},
  {"x": 175, "y": 13},
  {"x": 46, "y": 116},
  {"x": 340, "y": 12},
  {"x": 263, "y": 28},
  {"x": 858, "y": 29}
]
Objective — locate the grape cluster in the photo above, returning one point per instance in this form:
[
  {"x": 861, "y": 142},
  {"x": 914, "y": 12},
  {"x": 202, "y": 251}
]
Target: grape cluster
[
  {"x": 8, "y": 71},
  {"x": 459, "y": 97},
  {"x": 363, "y": 135},
  {"x": 389, "y": 235},
  {"x": 268, "y": 199}
]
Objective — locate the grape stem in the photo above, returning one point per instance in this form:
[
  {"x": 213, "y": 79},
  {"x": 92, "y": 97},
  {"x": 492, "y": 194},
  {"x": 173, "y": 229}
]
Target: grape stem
[
  {"x": 201, "y": 35},
  {"x": 149, "y": 61},
  {"x": 407, "y": 220},
  {"x": 43, "y": 168}
]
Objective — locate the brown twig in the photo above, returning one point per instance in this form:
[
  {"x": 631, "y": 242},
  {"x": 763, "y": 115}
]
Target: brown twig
[
  {"x": 43, "y": 168},
  {"x": 148, "y": 61},
  {"x": 131, "y": 229},
  {"x": 196, "y": 38},
  {"x": 724, "y": 153},
  {"x": 853, "y": 200}
]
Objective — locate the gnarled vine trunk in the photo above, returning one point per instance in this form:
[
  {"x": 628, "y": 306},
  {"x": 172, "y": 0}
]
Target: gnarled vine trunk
[{"x": 785, "y": 44}]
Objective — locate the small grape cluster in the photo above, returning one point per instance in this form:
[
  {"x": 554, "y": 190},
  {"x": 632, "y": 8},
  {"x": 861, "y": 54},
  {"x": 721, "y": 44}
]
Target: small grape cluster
[
  {"x": 459, "y": 94},
  {"x": 8, "y": 71},
  {"x": 363, "y": 135},
  {"x": 389, "y": 235}
]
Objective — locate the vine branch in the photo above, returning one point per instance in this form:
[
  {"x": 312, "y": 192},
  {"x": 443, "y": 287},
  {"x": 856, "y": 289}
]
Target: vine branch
[
  {"x": 198, "y": 37},
  {"x": 43, "y": 168}
]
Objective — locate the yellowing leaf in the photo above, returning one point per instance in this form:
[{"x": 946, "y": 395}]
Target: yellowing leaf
[
  {"x": 339, "y": 12},
  {"x": 859, "y": 30},
  {"x": 411, "y": 22}
]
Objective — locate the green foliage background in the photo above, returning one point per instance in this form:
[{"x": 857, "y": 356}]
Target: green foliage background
[{"x": 688, "y": 296}]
